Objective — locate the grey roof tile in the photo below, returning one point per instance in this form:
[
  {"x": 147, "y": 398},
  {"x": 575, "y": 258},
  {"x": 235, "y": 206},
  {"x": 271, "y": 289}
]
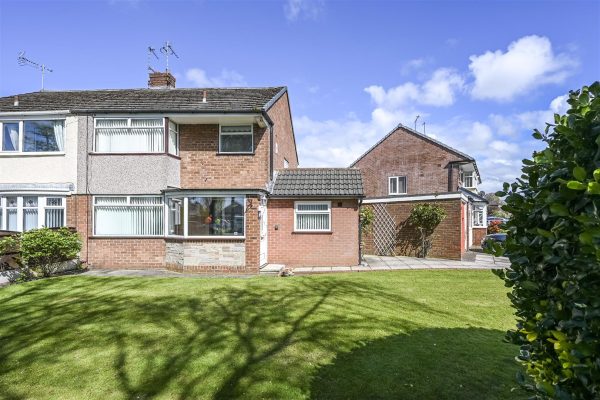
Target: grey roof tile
[
  {"x": 318, "y": 182},
  {"x": 146, "y": 100}
]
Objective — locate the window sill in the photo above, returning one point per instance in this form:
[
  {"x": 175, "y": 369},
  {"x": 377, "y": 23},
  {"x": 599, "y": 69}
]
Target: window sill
[
  {"x": 236, "y": 154},
  {"x": 397, "y": 194},
  {"x": 125, "y": 237},
  {"x": 312, "y": 232},
  {"x": 9, "y": 154},
  {"x": 93, "y": 153},
  {"x": 224, "y": 238}
]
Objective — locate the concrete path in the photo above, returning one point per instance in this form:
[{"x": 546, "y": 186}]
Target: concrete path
[{"x": 388, "y": 263}]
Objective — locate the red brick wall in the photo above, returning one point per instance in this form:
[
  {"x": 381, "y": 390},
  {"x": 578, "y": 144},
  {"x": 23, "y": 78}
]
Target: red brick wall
[
  {"x": 136, "y": 253},
  {"x": 203, "y": 168},
  {"x": 447, "y": 238},
  {"x": 79, "y": 217},
  {"x": 338, "y": 248},
  {"x": 284, "y": 133},
  {"x": 478, "y": 235},
  {"x": 252, "y": 235},
  {"x": 424, "y": 164}
]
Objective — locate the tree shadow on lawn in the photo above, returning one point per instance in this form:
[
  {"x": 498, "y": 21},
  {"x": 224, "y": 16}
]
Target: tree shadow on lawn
[
  {"x": 149, "y": 338},
  {"x": 470, "y": 363}
]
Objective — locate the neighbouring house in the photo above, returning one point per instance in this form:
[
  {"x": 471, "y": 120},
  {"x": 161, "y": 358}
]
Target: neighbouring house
[
  {"x": 407, "y": 168},
  {"x": 184, "y": 179}
]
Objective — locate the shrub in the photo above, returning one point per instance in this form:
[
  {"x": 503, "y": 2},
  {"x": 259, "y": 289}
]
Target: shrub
[
  {"x": 554, "y": 246},
  {"x": 42, "y": 249},
  {"x": 9, "y": 250},
  {"x": 494, "y": 227},
  {"x": 426, "y": 217}
]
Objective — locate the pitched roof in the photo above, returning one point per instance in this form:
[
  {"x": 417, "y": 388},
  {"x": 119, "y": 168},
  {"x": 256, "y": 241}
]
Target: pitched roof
[
  {"x": 318, "y": 182},
  {"x": 459, "y": 153},
  {"x": 241, "y": 100}
]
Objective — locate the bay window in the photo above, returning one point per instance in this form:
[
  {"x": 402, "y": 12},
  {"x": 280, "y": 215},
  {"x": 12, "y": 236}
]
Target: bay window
[
  {"x": 311, "y": 216},
  {"x": 22, "y": 213},
  {"x": 236, "y": 139},
  {"x": 33, "y": 136},
  {"x": 206, "y": 216},
  {"x": 128, "y": 216},
  {"x": 129, "y": 135}
]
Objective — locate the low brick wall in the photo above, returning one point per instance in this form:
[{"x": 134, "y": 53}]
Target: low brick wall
[
  {"x": 126, "y": 253},
  {"x": 336, "y": 248},
  {"x": 446, "y": 239}
]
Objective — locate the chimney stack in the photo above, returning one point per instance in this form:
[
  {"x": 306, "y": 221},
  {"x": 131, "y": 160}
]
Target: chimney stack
[{"x": 161, "y": 80}]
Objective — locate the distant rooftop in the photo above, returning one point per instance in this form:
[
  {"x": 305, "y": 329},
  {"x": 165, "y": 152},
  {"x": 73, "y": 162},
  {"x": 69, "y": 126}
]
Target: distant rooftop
[
  {"x": 318, "y": 182},
  {"x": 230, "y": 100}
]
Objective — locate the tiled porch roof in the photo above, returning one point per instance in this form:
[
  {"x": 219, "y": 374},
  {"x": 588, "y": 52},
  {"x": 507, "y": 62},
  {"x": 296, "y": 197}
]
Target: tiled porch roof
[{"x": 318, "y": 182}]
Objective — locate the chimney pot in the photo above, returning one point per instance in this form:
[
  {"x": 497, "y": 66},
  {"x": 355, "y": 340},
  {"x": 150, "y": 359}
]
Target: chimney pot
[{"x": 161, "y": 80}]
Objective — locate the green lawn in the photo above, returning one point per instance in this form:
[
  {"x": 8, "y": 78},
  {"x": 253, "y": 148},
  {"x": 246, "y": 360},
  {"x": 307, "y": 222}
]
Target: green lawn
[{"x": 391, "y": 335}]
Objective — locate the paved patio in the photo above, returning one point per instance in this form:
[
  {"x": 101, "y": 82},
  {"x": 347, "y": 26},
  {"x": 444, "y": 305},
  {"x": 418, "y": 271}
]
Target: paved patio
[{"x": 388, "y": 263}]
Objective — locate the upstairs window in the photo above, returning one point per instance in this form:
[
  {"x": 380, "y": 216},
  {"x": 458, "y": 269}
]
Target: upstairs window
[
  {"x": 173, "y": 138},
  {"x": 129, "y": 135},
  {"x": 286, "y": 163},
  {"x": 397, "y": 185},
  {"x": 236, "y": 139},
  {"x": 33, "y": 136},
  {"x": 468, "y": 179}
]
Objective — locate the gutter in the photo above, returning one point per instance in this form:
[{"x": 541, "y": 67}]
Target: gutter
[{"x": 16, "y": 113}]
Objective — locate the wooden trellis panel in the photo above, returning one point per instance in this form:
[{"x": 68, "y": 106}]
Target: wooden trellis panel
[{"x": 384, "y": 230}]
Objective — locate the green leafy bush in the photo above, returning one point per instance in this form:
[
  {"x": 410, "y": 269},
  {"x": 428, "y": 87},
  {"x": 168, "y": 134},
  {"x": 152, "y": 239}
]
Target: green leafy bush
[
  {"x": 426, "y": 217},
  {"x": 42, "y": 249},
  {"x": 554, "y": 246},
  {"x": 9, "y": 251}
]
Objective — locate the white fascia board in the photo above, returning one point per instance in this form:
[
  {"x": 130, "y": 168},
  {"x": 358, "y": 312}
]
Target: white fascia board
[
  {"x": 33, "y": 113},
  {"x": 444, "y": 196}
]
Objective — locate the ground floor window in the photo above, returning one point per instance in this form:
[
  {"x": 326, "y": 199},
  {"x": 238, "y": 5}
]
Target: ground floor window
[
  {"x": 23, "y": 213},
  {"x": 199, "y": 216},
  {"x": 312, "y": 216},
  {"x": 128, "y": 216},
  {"x": 479, "y": 216}
]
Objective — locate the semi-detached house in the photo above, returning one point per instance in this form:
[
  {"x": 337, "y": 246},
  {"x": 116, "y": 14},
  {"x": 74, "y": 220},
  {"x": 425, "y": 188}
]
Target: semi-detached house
[{"x": 203, "y": 180}]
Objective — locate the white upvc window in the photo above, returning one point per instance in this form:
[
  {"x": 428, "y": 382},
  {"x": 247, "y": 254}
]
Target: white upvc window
[
  {"x": 397, "y": 185},
  {"x": 128, "y": 216},
  {"x": 479, "y": 216},
  {"x": 22, "y": 213},
  {"x": 173, "y": 138},
  {"x": 236, "y": 139},
  {"x": 312, "y": 216},
  {"x": 129, "y": 135},
  {"x": 469, "y": 179},
  {"x": 207, "y": 216},
  {"x": 32, "y": 136},
  {"x": 286, "y": 163}
]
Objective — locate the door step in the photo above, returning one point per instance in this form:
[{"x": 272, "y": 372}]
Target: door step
[{"x": 271, "y": 269}]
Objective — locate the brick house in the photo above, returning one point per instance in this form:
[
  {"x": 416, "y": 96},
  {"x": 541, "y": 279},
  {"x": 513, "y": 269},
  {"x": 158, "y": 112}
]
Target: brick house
[
  {"x": 406, "y": 168},
  {"x": 167, "y": 178}
]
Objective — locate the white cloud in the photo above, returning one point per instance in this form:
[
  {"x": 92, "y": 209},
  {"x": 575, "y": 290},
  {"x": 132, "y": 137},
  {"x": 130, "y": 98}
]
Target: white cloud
[
  {"x": 439, "y": 90},
  {"x": 529, "y": 62},
  {"x": 303, "y": 9},
  {"x": 227, "y": 78}
]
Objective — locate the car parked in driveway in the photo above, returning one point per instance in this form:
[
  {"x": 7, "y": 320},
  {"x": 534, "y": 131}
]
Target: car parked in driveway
[{"x": 488, "y": 240}]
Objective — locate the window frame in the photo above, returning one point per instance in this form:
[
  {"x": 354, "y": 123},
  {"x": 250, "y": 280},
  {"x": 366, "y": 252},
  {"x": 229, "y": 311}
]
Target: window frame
[
  {"x": 328, "y": 212},
  {"x": 128, "y": 204},
  {"x": 185, "y": 221},
  {"x": 163, "y": 126},
  {"x": 397, "y": 178},
  {"x": 177, "y": 138},
  {"x": 479, "y": 209},
  {"x": 41, "y": 208},
  {"x": 236, "y": 133},
  {"x": 21, "y": 122},
  {"x": 470, "y": 175}
]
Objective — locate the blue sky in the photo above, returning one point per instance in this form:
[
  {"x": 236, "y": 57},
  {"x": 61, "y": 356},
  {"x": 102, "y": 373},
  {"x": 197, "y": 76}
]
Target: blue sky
[{"x": 480, "y": 74}]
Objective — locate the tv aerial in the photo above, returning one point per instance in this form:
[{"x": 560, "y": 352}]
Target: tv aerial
[
  {"x": 167, "y": 50},
  {"x": 24, "y": 61}
]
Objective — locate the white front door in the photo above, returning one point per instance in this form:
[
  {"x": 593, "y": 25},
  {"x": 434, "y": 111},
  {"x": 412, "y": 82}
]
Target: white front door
[{"x": 262, "y": 217}]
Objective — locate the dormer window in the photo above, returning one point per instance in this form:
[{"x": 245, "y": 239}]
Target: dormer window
[{"x": 468, "y": 179}]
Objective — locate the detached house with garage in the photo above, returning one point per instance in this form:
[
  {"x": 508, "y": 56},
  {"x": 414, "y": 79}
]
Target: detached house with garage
[
  {"x": 185, "y": 179},
  {"x": 407, "y": 168}
]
